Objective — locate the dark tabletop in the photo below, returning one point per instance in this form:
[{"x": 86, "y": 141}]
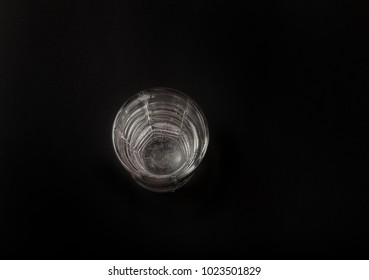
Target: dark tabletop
[{"x": 283, "y": 85}]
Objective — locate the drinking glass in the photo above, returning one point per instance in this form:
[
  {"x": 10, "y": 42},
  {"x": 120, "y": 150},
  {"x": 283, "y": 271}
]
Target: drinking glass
[{"x": 160, "y": 136}]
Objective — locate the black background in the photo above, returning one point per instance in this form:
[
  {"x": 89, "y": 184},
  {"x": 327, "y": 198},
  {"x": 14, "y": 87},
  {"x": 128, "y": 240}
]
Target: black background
[{"x": 283, "y": 85}]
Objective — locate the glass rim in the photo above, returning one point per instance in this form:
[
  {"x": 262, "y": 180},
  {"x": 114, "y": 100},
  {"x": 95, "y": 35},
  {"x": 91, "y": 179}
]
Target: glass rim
[{"x": 200, "y": 154}]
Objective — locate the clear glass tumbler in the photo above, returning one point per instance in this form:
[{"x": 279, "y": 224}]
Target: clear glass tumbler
[{"x": 160, "y": 135}]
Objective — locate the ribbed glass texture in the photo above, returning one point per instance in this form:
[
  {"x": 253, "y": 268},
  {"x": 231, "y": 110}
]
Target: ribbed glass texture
[{"x": 160, "y": 136}]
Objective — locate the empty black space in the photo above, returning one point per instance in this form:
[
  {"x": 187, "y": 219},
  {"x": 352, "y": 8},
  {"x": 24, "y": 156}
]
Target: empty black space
[{"x": 284, "y": 86}]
